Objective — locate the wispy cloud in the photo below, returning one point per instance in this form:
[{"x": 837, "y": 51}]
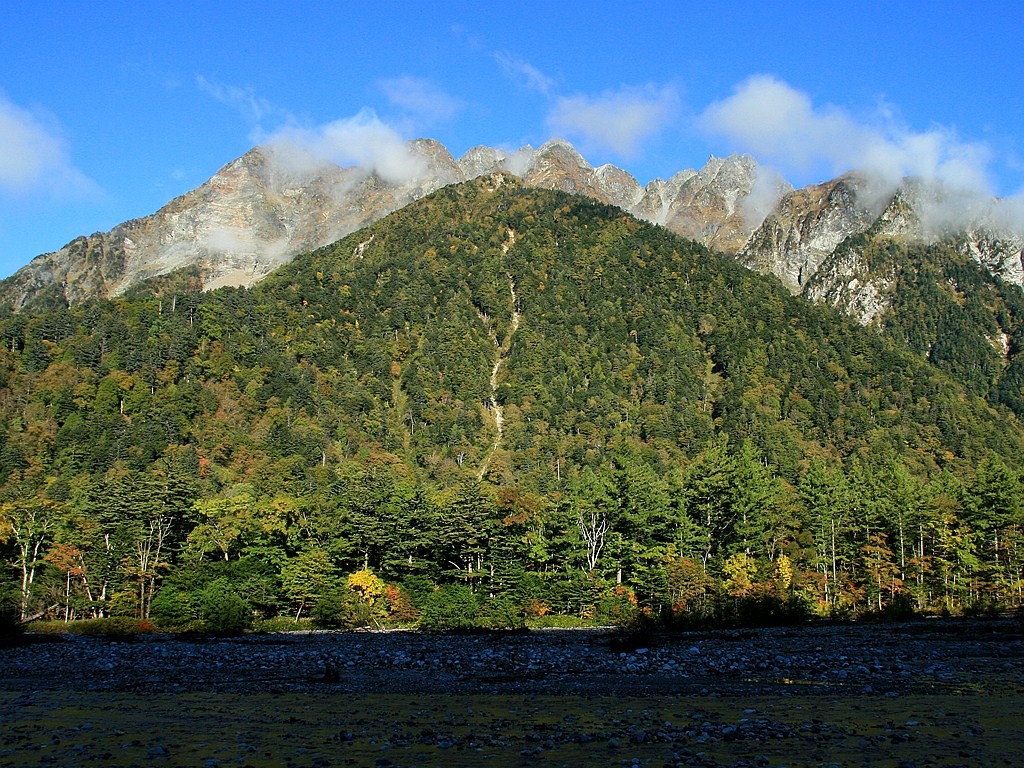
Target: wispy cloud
[
  {"x": 34, "y": 157},
  {"x": 780, "y": 124},
  {"x": 524, "y": 73},
  {"x": 423, "y": 101},
  {"x": 619, "y": 120},
  {"x": 254, "y": 109}
]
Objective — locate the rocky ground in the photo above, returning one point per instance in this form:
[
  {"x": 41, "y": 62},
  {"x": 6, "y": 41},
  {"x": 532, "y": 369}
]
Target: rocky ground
[{"x": 933, "y": 692}]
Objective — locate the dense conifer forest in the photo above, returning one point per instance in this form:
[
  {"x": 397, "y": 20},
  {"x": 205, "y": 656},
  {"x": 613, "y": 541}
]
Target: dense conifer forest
[{"x": 502, "y": 405}]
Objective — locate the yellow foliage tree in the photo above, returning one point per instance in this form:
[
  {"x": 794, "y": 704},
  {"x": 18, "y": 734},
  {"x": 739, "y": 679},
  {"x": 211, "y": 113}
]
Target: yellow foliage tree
[
  {"x": 740, "y": 571},
  {"x": 368, "y": 586},
  {"x": 783, "y": 572}
]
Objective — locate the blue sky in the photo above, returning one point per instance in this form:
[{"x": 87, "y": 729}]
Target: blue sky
[{"x": 108, "y": 109}]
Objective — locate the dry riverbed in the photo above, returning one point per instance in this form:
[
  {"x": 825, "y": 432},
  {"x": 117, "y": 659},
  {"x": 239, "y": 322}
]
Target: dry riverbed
[{"x": 936, "y": 692}]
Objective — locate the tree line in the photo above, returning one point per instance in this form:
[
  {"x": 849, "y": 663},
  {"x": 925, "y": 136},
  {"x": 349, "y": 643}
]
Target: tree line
[{"x": 697, "y": 541}]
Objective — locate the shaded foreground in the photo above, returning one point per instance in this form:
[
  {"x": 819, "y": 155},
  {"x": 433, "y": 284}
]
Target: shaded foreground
[{"x": 926, "y": 693}]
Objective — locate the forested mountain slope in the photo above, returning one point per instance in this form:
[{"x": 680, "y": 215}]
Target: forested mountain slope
[
  {"x": 938, "y": 301},
  {"x": 524, "y": 391},
  {"x": 624, "y": 331}
]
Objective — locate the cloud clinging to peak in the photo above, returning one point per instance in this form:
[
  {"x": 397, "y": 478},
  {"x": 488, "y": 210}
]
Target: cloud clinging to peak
[
  {"x": 299, "y": 149},
  {"x": 34, "y": 158},
  {"x": 617, "y": 120},
  {"x": 781, "y": 125},
  {"x": 362, "y": 140}
]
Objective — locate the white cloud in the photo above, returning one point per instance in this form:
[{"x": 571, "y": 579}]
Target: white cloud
[
  {"x": 254, "y": 109},
  {"x": 768, "y": 188},
  {"x": 362, "y": 140},
  {"x": 780, "y": 125},
  {"x": 618, "y": 120},
  {"x": 229, "y": 240},
  {"x": 524, "y": 73},
  {"x": 299, "y": 152},
  {"x": 421, "y": 99},
  {"x": 518, "y": 161},
  {"x": 34, "y": 158}
]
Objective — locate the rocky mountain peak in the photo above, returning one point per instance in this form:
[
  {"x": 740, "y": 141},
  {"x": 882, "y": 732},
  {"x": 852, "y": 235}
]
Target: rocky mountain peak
[
  {"x": 557, "y": 147},
  {"x": 260, "y": 210},
  {"x": 439, "y": 167},
  {"x": 481, "y": 160},
  {"x": 621, "y": 186},
  {"x": 900, "y": 218},
  {"x": 734, "y": 165},
  {"x": 706, "y": 205},
  {"x": 557, "y": 165}
]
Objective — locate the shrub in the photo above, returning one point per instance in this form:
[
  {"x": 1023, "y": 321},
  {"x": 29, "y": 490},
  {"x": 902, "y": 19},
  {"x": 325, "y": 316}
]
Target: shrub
[
  {"x": 556, "y": 621},
  {"x": 617, "y": 607},
  {"x": 282, "y": 623},
  {"x": 453, "y": 606},
  {"x": 223, "y": 610},
  {"x": 400, "y": 605},
  {"x": 984, "y": 609},
  {"x": 111, "y": 625},
  {"x": 368, "y": 586},
  {"x": 534, "y": 608},
  {"x": 503, "y": 614},
  {"x": 9, "y": 622},
  {"x": 172, "y": 608},
  {"x": 341, "y": 608},
  {"x": 900, "y": 608},
  {"x": 771, "y": 611},
  {"x": 124, "y": 603},
  {"x": 419, "y": 588}
]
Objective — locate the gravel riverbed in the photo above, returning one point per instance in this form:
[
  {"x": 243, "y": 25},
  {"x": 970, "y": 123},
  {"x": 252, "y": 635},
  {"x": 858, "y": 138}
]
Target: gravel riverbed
[{"x": 932, "y": 692}]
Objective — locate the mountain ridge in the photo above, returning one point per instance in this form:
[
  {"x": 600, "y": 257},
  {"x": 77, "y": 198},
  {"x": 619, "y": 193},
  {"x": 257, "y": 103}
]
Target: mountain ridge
[{"x": 262, "y": 209}]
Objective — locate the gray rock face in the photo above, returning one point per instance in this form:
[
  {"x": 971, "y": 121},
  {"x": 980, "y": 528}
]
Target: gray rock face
[
  {"x": 980, "y": 229},
  {"x": 797, "y": 242},
  {"x": 482, "y": 160},
  {"x": 557, "y": 165},
  {"x": 709, "y": 206},
  {"x": 845, "y": 282},
  {"x": 1001, "y": 253},
  {"x": 805, "y": 228}
]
